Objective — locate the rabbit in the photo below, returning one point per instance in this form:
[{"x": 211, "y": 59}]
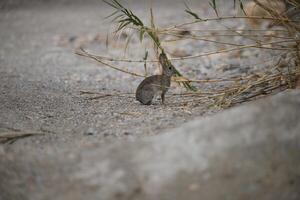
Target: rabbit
[{"x": 155, "y": 85}]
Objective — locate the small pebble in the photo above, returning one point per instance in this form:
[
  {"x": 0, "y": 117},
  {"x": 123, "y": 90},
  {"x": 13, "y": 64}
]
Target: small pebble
[{"x": 90, "y": 131}]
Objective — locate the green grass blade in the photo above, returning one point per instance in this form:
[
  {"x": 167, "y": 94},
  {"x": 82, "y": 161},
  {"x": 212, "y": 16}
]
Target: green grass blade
[
  {"x": 110, "y": 4},
  {"x": 193, "y": 14}
]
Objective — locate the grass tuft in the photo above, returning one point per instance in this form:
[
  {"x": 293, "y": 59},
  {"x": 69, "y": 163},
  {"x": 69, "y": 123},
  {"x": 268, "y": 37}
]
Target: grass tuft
[{"x": 283, "y": 75}]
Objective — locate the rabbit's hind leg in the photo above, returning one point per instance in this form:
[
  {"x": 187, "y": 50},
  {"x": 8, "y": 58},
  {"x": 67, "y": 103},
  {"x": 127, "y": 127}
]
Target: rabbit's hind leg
[{"x": 146, "y": 97}]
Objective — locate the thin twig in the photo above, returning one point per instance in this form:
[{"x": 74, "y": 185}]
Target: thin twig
[
  {"x": 86, "y": 54},
  {"x": 228, "y": 18},
  {"x": 261, "y": 46},
  {"x": 12, "y": 136}
]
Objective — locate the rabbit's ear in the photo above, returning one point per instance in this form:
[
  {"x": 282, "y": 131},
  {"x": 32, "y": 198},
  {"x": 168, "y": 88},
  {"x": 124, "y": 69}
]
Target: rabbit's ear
[{"x": 163, "y": 60}]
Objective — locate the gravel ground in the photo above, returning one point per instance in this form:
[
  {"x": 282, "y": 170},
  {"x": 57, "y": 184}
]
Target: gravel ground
[{"x": 41, "y": 78}]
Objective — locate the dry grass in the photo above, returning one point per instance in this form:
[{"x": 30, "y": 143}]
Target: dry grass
[
  {"x": 239, "y": 89},
  {"x": 12, "y": 136}
]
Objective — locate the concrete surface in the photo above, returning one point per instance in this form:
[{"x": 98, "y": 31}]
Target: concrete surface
[{"x": 248, "y": 152}]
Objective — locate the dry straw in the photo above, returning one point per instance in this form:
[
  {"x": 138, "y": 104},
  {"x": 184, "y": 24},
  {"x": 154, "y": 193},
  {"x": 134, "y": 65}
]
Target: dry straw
[{"x": 239, "y": 89}]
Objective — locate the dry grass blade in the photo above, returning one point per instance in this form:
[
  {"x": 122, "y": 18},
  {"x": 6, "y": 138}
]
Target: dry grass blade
[
  {"x": 98, "y": 95},
  {"x": 84, "y": 53},
  {"x": 226, "y": 18},
  {"x": 239, "y": 47},
  {"x": 12, "y": 136}
]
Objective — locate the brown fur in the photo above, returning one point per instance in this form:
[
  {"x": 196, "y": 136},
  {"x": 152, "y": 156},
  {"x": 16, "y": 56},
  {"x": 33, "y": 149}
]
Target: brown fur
[{"x": 155, "y": 85}]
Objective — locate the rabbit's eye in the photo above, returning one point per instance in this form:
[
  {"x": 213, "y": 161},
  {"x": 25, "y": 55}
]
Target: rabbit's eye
[{"x": 170, "y": 68}]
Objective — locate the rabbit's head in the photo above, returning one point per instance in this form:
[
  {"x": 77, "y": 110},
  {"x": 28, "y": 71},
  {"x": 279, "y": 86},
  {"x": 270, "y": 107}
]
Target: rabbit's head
[{"x": 168, "y": 68}]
